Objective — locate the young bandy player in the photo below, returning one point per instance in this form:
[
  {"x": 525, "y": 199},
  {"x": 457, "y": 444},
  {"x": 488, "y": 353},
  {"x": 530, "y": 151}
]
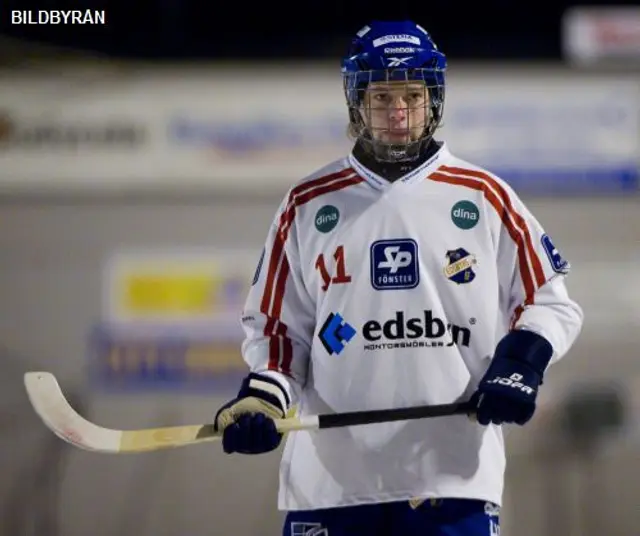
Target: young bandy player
[{"x": 399, "y": 275}]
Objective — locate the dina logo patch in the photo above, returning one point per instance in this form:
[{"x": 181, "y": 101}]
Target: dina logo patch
[
  {"x": 465, "y": 215},
  {"x": 459, "y": 267},
  {"x": 327, "y": 218}
]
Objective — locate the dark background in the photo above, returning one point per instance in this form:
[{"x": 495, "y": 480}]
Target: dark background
[{"x": 210, "y": 30}]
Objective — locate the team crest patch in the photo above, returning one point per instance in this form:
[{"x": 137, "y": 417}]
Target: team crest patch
[{"x": 459, "y": 268}]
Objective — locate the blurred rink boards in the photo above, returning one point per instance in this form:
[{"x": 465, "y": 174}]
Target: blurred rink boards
[
  {"x": 171, "y": 320},
  {"x": 136, "y": 201},
  {"x": 546, "y": 130}
]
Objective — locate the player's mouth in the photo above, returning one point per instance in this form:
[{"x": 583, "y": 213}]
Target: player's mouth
[{"x": 398, "y": 135}]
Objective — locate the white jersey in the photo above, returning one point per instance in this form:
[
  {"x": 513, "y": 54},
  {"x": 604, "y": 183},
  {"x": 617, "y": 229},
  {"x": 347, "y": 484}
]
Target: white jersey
[{"x": 373, "y": 295}]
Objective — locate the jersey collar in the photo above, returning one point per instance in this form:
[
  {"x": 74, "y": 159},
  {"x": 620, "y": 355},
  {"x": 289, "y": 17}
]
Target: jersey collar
[{"x": 415, "y": 175}]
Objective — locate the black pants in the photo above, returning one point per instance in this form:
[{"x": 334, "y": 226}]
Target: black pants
[{"x": 442, "y": 517}]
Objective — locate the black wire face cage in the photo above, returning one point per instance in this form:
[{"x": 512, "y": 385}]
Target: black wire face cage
[{"x": 394, "y": 113}]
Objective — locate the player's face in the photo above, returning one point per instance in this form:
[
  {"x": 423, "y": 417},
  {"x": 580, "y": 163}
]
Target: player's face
[{"x": 395, "y": 112}]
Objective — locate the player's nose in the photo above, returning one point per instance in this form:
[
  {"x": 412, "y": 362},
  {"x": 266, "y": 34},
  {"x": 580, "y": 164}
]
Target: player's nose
[{"x": 398, "y": 109}]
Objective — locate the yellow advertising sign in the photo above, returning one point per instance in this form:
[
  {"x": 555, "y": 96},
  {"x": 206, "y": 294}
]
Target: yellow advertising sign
[
  {"x": 172, "y": 319},
  {"x": 188, "y": 293},
  {"x": 178, "y": 286}
]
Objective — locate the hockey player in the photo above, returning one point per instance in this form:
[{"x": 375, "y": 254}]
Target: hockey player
[{"x": 399, "y": 275}]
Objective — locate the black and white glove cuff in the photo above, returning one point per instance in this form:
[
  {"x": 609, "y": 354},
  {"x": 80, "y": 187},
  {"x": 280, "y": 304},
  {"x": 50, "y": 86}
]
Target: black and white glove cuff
[{"x": 267, "y": 389}]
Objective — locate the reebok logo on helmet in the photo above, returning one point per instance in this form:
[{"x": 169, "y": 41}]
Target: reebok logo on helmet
[{"x": 399, "y": 50}]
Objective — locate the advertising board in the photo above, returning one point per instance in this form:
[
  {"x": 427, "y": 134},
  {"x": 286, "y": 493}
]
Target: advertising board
[{"x": 259, "y": 129}]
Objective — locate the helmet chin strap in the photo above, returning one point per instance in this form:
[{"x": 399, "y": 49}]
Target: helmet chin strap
[
  {"x": 393, "y": 170},
  {"x": 392, "y": 153},
  {"x": 398, "y": 153}
]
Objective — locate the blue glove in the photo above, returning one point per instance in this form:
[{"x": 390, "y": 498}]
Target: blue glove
[
  {"x": 246, "y": 422},
  {"x": 507, "y": 393}
]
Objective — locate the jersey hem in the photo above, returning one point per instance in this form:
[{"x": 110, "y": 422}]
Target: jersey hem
[{"x": 392, "y": 497}]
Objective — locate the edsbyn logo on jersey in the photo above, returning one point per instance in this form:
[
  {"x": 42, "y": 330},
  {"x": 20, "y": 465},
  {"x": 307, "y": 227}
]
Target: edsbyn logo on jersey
[
  {"x": 394, "y": 264},
  {"x": 335, "y": 333},
  {"x": 425, "y": 330}
]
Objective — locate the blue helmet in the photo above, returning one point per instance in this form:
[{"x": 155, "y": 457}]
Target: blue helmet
[{"x": 393, "y": 52}]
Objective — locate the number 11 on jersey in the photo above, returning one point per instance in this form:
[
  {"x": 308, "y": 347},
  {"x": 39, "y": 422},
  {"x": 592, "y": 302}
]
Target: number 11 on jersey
[{"x": 340, "y": 274}]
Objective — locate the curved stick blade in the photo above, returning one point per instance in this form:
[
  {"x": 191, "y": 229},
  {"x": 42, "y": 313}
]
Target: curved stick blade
[
  {"x": 52, "y": 407},
  {"x": 57, "y": 414}
]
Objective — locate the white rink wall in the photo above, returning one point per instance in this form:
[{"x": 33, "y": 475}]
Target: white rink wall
[{"x": 68, "y": 206}]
